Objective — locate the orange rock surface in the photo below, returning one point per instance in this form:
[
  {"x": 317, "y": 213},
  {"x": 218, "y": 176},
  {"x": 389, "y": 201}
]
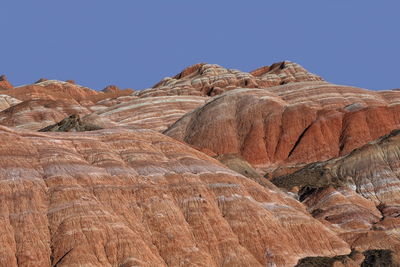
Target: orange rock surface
[
  {"x": 211, "y": 79},
  {"x": 4, "y": 83},
  {"x": 357, "y": 194},
  {"x": 173, "y": 175},
  {"x": 124, "y": 197},
  {"x": 289, "y": 124}
]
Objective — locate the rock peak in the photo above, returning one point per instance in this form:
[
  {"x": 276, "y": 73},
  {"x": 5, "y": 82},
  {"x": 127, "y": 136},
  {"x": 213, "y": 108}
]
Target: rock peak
[
  {"x": 203, "y": 79},
  {"x": 4, "y": 83}
]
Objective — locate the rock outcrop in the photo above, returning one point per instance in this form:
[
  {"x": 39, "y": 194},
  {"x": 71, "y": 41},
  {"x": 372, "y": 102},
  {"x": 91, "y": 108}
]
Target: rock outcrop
[
  {"x": 358, "y": 194},
  {"x": 4, "y": 83},
  {"x": 156, "y": 113},
  {"x": 74, "y": 123},
  {"x": 180, "y": 174},
  {"x": 37, "y": 114},
  {"x": 290, "y": 124},
  {"x": 7, "y": 101},
  {"x": 211, "y": 79},
  {"x": 123, "y": 197}
]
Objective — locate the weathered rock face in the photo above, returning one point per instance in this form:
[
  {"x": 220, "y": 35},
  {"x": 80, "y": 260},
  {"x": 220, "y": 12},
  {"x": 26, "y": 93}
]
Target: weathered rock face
[
  {"x": 52, "y": 90},
  {"x": 99, "y": 186},
  {"x": 155, "y": 113},
  {"x": 4, "y": 83},
  {"x": 210, "y": 79},
  {"x": 37, "y": 114},
  {"x": 123, "y": 198},
  {"x": 74, "y": 123},
  {"x": 290, "y": 124},
  {"x": 7, "y": 101},
  {"x": 358, "y": 194}
]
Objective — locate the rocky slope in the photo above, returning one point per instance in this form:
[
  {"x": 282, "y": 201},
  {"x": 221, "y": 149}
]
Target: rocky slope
[
  {"x": 123, "y": 198},
  {"x": 173, "y": 175},
  {"x": 211, "y": 79},
  {"x": 4, "y": 83},
  {"x": 290, "y": 124},
  {"x": 358, "y": 194}
]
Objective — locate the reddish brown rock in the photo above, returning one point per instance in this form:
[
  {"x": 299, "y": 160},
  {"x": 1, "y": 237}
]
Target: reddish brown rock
[
  {"x": 290, "y": 124},
  {"x": 122, "y": 198},
  {"x": 7, "y": 101},
  {"x": 4, "y": 83},
  {"x": 52, "y": 90},
  {"x": 37, "y": 114},
  {"x": 41, "y": 80},
  {"x": 358, "y": 194},
  {"x": 210, "y": 79},
  {"x": 156, "y": 113},
  {"x": 111, "y": 89},
  {"x": 99, "y": 189}
]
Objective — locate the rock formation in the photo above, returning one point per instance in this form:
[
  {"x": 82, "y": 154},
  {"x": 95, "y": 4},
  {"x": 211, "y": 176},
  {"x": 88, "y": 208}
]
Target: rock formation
[
  {"x": 4, "y": 83},
  {"x": 156, "y": 113},
  {"x": 37, "y": 114},
  {"x": 180, "y": 174},
  {"x": 136, "y": 197},
  {"x": 210, "y": 79},
  {"x": 74, "y": 123},
  {"x": 358, "y": 194},
  {"x": 291, "y": 124},
  {"x": 7, "y": 101}
]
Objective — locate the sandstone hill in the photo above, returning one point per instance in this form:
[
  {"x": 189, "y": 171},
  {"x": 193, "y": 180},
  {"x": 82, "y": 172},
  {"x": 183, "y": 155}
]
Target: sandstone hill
[{"x": 210, "y": 167}]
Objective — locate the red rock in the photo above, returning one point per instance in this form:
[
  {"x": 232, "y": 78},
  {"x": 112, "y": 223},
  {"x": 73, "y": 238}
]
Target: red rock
[
  {"x": 290, "y": 124},
  {"x": 4, "y": 83},
  {"x": 357, "y": 195},
  {"x": 119, "y": 198},
  {"x": 37, "y": 114},
  {"x": 156, "y": 113},
  {"x": 100, "y": 189},
  {"x": 209, "y": 79},
  {"x": 7, "y": 101},
  {"x": 111, "y": 89}
]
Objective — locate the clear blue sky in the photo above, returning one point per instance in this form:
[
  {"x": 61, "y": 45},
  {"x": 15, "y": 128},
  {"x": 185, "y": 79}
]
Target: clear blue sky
[{"x": 135, "y": 43}]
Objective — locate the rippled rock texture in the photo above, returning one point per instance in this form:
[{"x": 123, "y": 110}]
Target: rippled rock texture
[
  {"x": 124, "y": 197},
  {"x": 179, "y": 174},
  {"x": 290, "y": 124},
  {"x": 358, "y": 194},
  {"x": 4, "y": 83},
  {"x": 211, "y": 79}
]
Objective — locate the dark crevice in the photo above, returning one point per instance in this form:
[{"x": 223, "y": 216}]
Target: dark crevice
[
  {"x": 305, "y": 192},
  {"x": 210, "y": 91},
  {"x": 61, "y": 259},
  {"x": 299, "y": 139}
]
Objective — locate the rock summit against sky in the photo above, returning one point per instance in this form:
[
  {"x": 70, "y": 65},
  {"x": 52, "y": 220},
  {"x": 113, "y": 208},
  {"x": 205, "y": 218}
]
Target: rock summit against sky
[{"x": 210, "y": 167}]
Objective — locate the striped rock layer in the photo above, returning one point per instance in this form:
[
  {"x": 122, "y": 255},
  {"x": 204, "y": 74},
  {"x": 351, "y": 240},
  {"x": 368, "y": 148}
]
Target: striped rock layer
[
  {"x": 211, "y": 79},
  {"x": 289, "y": 125},
  {"x": 138, "y": 198},
  {"x": 357, "y": 195},
  {"x": 132, "y": 182}
]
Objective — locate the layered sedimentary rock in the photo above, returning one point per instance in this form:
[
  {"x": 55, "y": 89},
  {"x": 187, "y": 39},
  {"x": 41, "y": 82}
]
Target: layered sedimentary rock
[
  {"x": 358, "y": 194},
  {"x": 4, "y": 83},
  {"x": 290, "y": 124},
  {"x": 211, "y": 79},
  {"x": 7, "y": 101},
  {"x": 136, "y": 197},
  {"x": 37, "y": 114},
  {"x": 96, "y": 187},
  {"x": 74, "y": 123},
  {"x": 52, "y": 90},
  {"x": 156, "y": 113}
]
